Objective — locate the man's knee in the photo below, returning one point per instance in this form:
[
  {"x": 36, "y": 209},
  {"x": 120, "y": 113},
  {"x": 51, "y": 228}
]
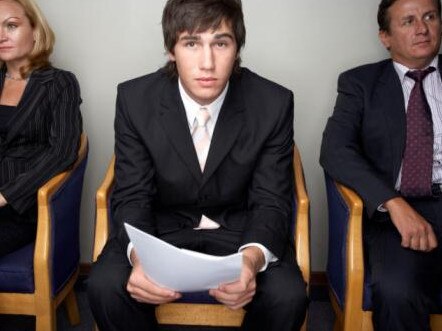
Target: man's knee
[
  {"x": 286, "y": 293},
  {"x": 291, "y": 298},
  {"x": 394, "y": 292},
  {"x": 105, "y": 288}
]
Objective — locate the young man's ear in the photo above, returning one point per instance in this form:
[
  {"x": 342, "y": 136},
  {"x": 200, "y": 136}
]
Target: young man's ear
[{"x": 171, "y": 56}]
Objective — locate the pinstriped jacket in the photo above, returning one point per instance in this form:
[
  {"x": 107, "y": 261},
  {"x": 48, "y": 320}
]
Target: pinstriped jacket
[{"x": 43, "y": 135}]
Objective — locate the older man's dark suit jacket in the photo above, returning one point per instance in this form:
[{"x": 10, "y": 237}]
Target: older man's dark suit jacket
[
  {"x": 364, "y": 140},
  {"x": 247, "y": 182},
  {"x": 43, "y": 135}
]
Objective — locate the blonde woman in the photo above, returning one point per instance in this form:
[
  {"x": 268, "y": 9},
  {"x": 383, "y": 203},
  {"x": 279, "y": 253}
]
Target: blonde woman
[{"x": 40, "y": 120}]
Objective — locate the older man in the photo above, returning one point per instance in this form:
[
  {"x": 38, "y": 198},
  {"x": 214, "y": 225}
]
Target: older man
[{"x": 384, "y": 140}]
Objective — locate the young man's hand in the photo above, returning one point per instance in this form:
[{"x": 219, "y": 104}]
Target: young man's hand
[
  {"x": 416, "y": 232},
  {"x": 142, "y": 289},
  {"x": 237, "y": 294}
]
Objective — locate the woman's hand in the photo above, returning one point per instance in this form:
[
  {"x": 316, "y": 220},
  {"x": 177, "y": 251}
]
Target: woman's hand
[{"x": 3, "y": 201}]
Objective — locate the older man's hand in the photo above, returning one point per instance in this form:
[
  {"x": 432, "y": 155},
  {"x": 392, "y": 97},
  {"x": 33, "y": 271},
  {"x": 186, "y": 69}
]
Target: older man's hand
[{"x": 416, "y": 232}]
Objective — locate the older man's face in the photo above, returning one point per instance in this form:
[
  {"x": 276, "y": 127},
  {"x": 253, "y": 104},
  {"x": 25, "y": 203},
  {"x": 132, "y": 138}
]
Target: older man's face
[{"x": 415, "y": 32}]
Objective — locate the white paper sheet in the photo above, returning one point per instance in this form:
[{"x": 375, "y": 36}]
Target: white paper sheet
[{"x": 180, "y": 269}]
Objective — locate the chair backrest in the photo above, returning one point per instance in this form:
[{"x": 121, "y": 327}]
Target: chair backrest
[
  {"x": 103, "y": 210},
  {"x": 59, "y": 212},
  {"x": 65, "y": 215},
  {"x": 301, "y": 217},
  {"x": 338, "y": 215},
  {"x": 345, "y": 267}
]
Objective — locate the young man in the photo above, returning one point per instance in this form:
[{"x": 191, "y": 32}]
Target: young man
[
  {"x": 203, "y": 161},
  {"x": 384, "y": 141}
]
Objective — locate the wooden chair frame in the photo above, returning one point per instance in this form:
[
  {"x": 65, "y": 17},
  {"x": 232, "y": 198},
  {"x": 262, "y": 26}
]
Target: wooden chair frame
[
  {"x": 41, "y": 303},
  {"x": 353, "y": 317},
  {"x": 211, "y": 314}
]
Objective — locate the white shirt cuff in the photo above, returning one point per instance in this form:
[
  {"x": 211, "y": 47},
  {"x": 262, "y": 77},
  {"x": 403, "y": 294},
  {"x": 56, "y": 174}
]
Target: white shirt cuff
[
  {"x": 268, "y": 256},
  {"x": 130, "y": 246}
]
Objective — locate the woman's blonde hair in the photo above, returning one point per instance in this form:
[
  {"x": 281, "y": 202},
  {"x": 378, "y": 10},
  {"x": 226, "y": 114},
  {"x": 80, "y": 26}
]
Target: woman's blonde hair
[{"x": 43, "y": 35}]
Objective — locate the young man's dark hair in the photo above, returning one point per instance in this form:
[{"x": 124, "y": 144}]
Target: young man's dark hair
[
  {"x": 196, "y": 16},
  {"x": 384, "y": 18}
]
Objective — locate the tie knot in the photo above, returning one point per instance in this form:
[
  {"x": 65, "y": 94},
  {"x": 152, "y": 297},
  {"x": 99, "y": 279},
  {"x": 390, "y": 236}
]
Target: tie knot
[
  {"x": 202, "y": 116},
  {"x": 419, "y": 75}
]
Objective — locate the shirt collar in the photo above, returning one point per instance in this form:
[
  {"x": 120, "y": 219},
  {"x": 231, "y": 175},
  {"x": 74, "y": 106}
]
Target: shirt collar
[
  {"x": 192, "y": 107},
  {"x": 401, "y": 70}
]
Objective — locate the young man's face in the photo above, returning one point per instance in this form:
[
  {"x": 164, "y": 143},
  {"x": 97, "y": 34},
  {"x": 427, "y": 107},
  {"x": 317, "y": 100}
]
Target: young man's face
[
  {"x": 205, "y": 61},
  {"x": 415, "y": 32}
]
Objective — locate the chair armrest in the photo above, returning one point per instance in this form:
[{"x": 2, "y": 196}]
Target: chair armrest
[
  {"x": 355, "y": 256},
  {"x": 302, "y": 231},
  {"x": 102, "y": 210},
  {"x": 43, "y": 242}
]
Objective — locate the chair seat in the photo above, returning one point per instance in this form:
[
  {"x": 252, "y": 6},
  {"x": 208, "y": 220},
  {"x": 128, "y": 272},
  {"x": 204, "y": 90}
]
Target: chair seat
[
  {"x": 17, "y": 271},
  {"x": 197, "y": 297}
]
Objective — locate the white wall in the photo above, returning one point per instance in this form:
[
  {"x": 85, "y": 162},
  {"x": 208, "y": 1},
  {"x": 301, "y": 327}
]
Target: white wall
[{"x": 300, "y": 44}]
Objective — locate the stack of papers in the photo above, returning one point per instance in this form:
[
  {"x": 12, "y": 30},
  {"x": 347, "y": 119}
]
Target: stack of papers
[{"x": 182, "y": 270}]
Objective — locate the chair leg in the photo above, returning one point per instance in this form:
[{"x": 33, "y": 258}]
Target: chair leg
[
  {"x": 72, "y": 308},
  {"x": 46, "y": 321},
  {"x": 304, "y": 325},
  {"x": 337, "y": 326}
]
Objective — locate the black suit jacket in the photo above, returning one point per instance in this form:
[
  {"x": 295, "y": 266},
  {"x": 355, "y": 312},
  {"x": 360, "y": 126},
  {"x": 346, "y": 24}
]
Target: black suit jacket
[
  {"x": 364, "y": 140},
  {"x": 247, "y": 181},
  {"x": 43, "y": 135}
]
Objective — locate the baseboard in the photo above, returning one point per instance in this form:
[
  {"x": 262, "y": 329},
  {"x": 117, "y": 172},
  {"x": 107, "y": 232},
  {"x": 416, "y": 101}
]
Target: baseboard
[
  {"x": 318, "y": 278},
  {"x": 85, "y": 268}
]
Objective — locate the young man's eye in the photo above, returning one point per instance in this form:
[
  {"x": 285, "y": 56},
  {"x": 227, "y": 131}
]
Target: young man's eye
[{"x": 190, "y": 44}]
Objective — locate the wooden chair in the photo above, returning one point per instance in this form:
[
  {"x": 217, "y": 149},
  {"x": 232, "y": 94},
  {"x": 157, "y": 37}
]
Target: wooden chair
[
  {"x": 35, "y": 279},
  {"x": 348, "y": 280},
  {"x": 205, "y": 312}
]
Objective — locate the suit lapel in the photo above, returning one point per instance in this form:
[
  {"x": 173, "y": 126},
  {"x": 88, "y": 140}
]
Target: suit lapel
[
  {"x": 173, "y": 119},
  {"x": 390, "y": 92},
  {"x": 228, "y": 126},
  {"x": 31, "y": 99}
]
